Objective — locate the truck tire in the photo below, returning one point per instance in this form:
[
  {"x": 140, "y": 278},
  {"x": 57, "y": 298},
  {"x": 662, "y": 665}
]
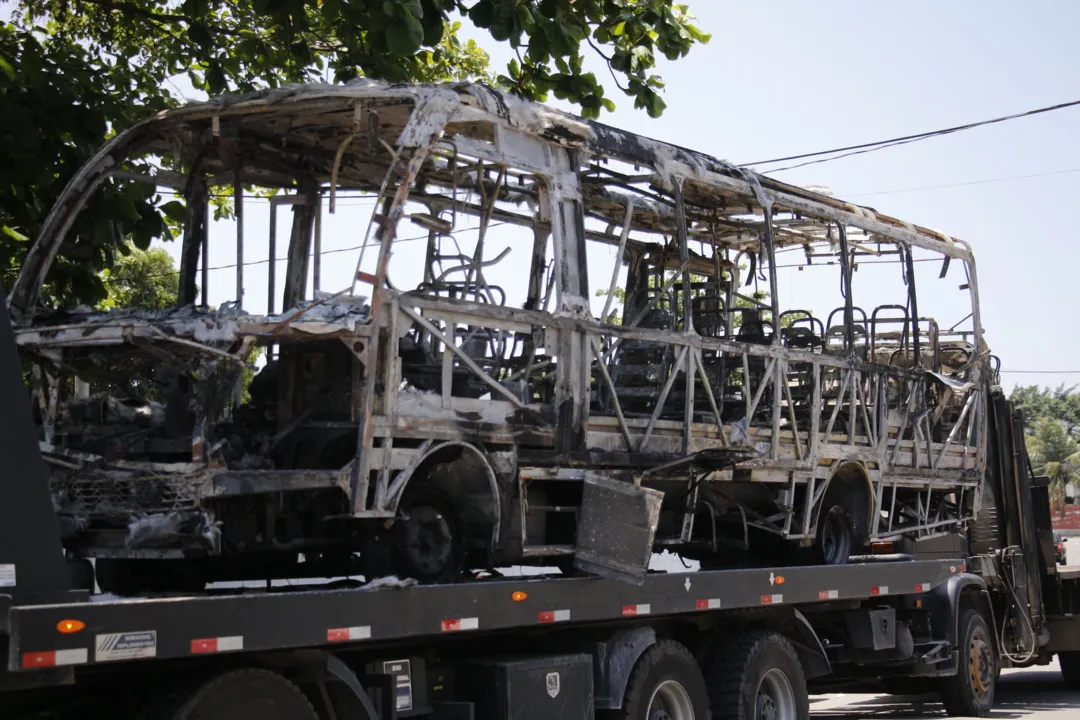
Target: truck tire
[
  {"x": 666, "y": 682},
  {"x": 970, "y": 692},
  {"x": 757, "y": 675},
  {"x": 245, "y": 693},
  {"x": 1070, "y": 668}
]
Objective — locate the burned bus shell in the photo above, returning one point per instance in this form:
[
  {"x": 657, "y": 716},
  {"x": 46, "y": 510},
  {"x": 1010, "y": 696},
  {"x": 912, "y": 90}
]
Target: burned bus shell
[{"x": 453, "y": 425}]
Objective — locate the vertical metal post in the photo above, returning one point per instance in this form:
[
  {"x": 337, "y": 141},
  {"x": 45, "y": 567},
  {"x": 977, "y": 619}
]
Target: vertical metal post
[
  {"x": 909, "y": 262},
  {"x": 770, "y": 250},
  {"x": 238, "y": 201},
  {"x": 206, "y": 260},
  {"x": 688, "y": 319},
  {"x": 271, "y": 279},
  {"x": 845, "y": 290},
  {"x": 316, "y": 280}
]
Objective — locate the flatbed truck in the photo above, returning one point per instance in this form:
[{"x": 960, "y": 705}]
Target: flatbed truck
[{"x": 943, "y": 615}]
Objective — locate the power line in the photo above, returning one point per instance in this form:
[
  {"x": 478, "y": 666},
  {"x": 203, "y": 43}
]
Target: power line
[
  {"x": 1041, "y": 372},
  {"x": 963, "y": 184},
  {"x": 266, "y": 261},
  {"x": 903, "y": 140}
]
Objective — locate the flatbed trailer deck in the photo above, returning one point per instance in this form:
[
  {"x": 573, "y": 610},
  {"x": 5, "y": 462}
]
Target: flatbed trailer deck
[{"x": 182, "y": 627}]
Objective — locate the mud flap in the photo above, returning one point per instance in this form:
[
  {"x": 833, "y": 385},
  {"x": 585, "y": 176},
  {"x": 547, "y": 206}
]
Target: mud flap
[{"x": 616, "y": 528}]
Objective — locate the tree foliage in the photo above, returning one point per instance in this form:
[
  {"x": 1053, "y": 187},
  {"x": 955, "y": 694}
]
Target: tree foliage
[
  {"x": 142, "y": 279},
  {"x": 58, "y": 102},
  {"x": 1054, "y": 452},
  {"x": 1061, "y": 403},
  {"x": 73, "y": 72}
]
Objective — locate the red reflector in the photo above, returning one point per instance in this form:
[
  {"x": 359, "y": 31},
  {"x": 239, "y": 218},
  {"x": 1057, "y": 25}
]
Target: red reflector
[
  {"x": 39, "y": 659},
  {"x": 205, "y": 645}
]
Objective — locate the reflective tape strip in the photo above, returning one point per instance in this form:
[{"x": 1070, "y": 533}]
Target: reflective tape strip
[
  {"x": 632, "y": 610},
  {"x": 922, "y": 587},
  {"x": 772, "y": 599},
  {"x": 710, "y": 604},
  {"x": 55, "y": 658},
  {"x": 227, "y": 643},
  {"x": 883, "y": 590},
  {"x": 362, "y": 632},
  {"x": 828, "y": 595},
  {"x": 550, "y": 616},
  {"x": 455, "y": 624}
]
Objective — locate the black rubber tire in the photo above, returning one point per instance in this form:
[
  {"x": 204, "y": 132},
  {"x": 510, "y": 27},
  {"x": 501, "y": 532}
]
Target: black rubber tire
[
  {"x": 958, "y": 693},
  {"x": 245, "y": 693},
  {"x": 842, "y": 531},
  {"x": 664, "y": 661},
  {"x": 736, "y": 669},
  {"x": 1070, "y": 668},
  {"x": 454, "y": 566}
]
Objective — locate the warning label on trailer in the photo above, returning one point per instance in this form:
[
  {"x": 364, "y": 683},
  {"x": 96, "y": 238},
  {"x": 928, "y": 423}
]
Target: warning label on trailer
[
  {"x": 7, "y": 575},
  {"x": 402, "y": 672},
  {"x": 125, "y": 646}
]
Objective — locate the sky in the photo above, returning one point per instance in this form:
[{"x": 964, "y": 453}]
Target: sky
[{"x": 782, "y": 77}]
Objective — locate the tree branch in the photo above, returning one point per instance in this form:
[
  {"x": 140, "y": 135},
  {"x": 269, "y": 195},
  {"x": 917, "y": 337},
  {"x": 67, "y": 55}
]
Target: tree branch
[{"x": 160, "y": 18}]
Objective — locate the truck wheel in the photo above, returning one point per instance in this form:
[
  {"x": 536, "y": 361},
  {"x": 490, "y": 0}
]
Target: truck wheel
[
  {"x": 757, "y": 677},
  {"x": 666, "y": 684},
  {"x": 970, "y": 692},
  {"x": 247, "y": 693},
  {"x": 1070, "y": 668}
]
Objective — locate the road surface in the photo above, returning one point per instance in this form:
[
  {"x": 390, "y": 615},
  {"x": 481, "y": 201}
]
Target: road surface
[{"x": 1030, "y": 694}]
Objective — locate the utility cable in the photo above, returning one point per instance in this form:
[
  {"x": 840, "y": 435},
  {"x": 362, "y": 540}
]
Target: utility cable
[{"x": 903, "y": 140}]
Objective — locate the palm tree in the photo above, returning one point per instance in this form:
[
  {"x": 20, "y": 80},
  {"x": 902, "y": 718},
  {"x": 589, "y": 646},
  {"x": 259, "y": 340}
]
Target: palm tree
[{"x": 1055, "y": 453}]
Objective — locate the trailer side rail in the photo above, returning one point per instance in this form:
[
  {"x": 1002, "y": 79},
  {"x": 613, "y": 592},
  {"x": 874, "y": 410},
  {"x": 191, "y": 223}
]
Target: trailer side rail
[{"x": 179, "y": 627}]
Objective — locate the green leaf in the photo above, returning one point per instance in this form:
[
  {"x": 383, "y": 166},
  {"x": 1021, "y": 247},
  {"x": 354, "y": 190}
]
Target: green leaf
[
  {"x": 6, "y": 68},
  {"x": 482, "y": 14},
  {"x": 200, "y": 35},
  {"x": 13, "y": 234},
  {"x": 174, "y": 210},
  {"x": 656, "y": 106},
  {"x": 405, "y": 38}
]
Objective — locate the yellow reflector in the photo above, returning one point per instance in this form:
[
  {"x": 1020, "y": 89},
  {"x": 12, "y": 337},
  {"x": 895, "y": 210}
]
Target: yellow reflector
[
  {"x": 70, "y": 626},
  {"x": 779, "y": 579},
  {"x": 518, "y": 596}
]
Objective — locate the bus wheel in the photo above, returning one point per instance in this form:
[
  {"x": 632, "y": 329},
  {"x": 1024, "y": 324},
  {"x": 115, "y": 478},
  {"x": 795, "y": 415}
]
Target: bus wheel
[
  {"x": 757, "y": 676},
  {"x": 666, "y": 684},
  {"x": 970, "y": 692}
]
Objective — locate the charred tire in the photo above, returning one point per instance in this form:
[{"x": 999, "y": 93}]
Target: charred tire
[
  {"x": 429, "y": 539},
  {"x": 666, "y": 683},
  {"x": 1070, "y": 668},
  {"x": 835, "y": 536},
  {"x": 245, "y": 693},
  {"x": 757, "y": 676},
  {"x": 970, "y": 692}
]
